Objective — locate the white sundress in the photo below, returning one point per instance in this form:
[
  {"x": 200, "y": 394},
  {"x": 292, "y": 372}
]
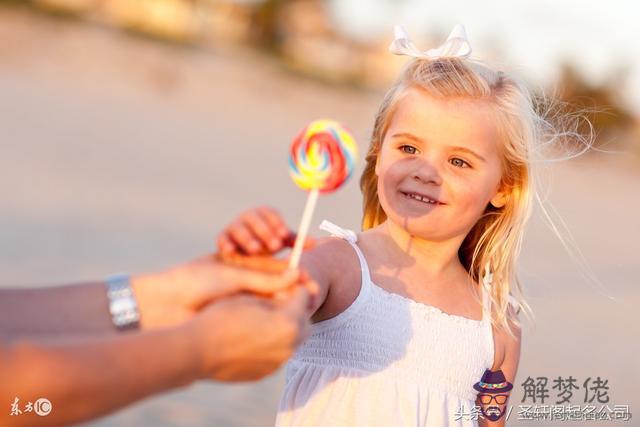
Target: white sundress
[{"x": 387, "y": 360}]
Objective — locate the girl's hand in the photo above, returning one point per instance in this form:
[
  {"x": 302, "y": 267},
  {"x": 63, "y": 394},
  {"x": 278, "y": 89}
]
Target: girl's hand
[{"x": 257, "y": 231}]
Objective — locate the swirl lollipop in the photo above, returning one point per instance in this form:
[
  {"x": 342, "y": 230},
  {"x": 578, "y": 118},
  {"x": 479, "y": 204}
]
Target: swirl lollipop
[{"x": 321, "y": 159}]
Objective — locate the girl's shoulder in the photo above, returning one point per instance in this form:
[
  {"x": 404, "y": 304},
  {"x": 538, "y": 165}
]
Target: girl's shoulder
[
  {"x": 332, "y": 254},
  {"x": 334, "y": 264},
  {"x": 340, "y": 256}
]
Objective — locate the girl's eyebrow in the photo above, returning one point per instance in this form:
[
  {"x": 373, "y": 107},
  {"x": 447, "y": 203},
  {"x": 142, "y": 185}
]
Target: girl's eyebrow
[
  {"x": 469, "y": 151},
  {"x": 416, "y": 139},
  {"x": 408, "y": 136}
]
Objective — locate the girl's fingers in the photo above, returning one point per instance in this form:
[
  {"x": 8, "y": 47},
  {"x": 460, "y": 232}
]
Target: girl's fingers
[
  {"x": 261, "y": 229},
  {"x": 290, "y": 240},
  {"x": 244, "y": 239},
  {"x": 258, "y": 231},
  {"x": 309, "y": 243},
  {"x": 275, "y": 221},
  {"x": 225, "y": 245}
]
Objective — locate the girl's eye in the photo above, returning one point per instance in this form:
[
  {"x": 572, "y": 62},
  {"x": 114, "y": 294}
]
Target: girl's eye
[
  {"x": 408, "y": 149},
  {"x": 460, "y": 163}
]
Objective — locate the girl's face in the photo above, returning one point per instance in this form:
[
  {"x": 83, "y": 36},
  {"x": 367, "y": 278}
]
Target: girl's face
[{"x": 442, "y": 151}]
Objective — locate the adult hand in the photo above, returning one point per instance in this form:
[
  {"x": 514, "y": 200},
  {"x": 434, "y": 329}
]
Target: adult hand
[
  {"x": 176, "y": 295},
  {"x": 246, "y": 337},
  {"x": 239, "y": 338}
]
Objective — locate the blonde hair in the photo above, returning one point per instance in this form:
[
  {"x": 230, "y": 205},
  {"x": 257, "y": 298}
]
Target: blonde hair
[{"x": 524, "y": 125}]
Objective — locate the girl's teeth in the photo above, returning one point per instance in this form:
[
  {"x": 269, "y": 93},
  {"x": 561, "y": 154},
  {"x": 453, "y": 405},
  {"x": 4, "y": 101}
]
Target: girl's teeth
[{"x": 421, "y": 199}]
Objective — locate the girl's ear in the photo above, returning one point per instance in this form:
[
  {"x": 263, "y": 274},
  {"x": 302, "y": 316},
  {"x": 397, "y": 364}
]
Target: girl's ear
[
  {"x": 500, "y": 199},
  {"x": 376, "y": 169}
]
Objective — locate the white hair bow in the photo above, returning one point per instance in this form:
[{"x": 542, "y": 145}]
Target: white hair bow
[{"x": 456, "y": 45}]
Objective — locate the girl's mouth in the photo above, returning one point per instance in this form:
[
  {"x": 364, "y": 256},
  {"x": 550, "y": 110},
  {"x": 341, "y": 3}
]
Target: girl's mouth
[{"x": 421, "y": 198}]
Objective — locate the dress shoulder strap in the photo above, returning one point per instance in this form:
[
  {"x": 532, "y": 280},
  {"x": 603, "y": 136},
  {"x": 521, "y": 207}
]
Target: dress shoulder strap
[
  {"x": 348, "y": 235},
  {"x": 351, "y": 237}
]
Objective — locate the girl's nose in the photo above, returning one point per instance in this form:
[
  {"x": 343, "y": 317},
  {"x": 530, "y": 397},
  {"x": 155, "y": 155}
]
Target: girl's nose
[{"x": 427, "y": 173}]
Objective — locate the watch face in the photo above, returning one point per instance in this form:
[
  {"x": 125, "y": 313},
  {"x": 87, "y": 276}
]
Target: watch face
[{"x": 122, "y": 303}]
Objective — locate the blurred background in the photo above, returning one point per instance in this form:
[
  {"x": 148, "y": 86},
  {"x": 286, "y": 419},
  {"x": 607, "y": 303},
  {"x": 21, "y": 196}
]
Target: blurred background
[{"x": 131, "y": 131}]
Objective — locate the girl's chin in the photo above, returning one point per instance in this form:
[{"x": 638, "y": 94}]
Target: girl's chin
[
  {"x": 422, "y": 227},
  {"x": 424, "y": 233},
  {"x": 425, "y": 215}
]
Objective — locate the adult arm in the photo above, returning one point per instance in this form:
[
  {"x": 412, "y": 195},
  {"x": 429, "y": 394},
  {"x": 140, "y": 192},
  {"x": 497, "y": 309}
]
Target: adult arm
[
  {"x": 164, "y": 299},
  {"x": 239, "y": 338}
]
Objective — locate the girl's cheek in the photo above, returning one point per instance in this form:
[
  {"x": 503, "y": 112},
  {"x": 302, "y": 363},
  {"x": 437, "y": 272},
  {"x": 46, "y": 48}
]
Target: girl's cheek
[
  {"x": 385, "y": 186},
  {"x": 476, "y": 200},
  {"x": 389, "y": 172},
  {"x": 465, "y": 192}
]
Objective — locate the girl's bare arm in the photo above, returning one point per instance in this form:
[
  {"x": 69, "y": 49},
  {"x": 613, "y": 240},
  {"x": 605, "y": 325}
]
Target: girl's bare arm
[{"x": 509, "y": 368}]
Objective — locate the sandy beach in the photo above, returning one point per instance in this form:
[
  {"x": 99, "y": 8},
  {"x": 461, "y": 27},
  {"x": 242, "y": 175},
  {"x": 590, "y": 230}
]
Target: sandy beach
[{"x": 119, "y": 153}]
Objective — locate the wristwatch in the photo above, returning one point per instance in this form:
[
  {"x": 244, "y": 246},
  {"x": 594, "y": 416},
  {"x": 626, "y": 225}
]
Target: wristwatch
[{"x": 122, "y": 302}]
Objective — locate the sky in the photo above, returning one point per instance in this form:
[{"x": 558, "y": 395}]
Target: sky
[{"x": 528, "y": 37}]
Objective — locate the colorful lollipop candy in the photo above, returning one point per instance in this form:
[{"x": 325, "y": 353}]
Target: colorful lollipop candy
[
  {"x": 321, "y": 159},
  {"x": 322, "y": 156}
]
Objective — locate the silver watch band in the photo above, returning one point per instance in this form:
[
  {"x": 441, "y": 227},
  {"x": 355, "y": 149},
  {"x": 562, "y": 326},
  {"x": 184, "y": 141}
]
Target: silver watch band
[{"x": 122, "y": 302}]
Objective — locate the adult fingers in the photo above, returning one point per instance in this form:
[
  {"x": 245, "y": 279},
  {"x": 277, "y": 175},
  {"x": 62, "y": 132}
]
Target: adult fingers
[
  {"x": 262, "y": 263},
  {"x": 314, "y": 291},
  {"x": 296, "y": 308},
  {"x": 295, "y": 302},
  {"x": 261, "y": 282}
]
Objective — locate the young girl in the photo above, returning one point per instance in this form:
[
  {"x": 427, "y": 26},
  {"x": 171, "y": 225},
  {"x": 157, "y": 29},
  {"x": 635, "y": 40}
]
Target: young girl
[{"x": 413, "y": 310}]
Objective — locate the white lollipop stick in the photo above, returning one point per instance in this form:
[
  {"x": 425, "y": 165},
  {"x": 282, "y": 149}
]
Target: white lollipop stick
[{"x": 309, "y": 207}]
